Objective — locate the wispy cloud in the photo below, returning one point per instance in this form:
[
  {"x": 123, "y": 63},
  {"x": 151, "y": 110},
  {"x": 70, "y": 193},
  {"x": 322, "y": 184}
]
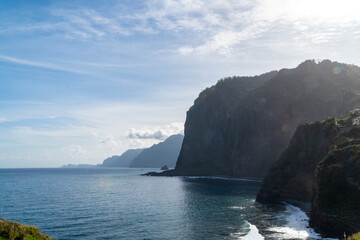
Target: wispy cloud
[
  {"x": 217, "y": 26},
  {"x": 50, "y": 66},
  {"x": 317, "y": 22},
  {"x": 103, "y": 65},
  {"x": 87, "y": 23},
  {"x": 2, "y": 120}
]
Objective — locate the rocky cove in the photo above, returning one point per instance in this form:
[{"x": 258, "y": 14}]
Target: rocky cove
[{"x": 271, "y": 126}]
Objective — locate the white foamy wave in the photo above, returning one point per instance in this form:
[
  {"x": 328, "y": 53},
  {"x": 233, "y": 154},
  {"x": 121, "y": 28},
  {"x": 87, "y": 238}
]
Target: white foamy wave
[
  {"x": 236, "y": 207},
  {"x": 253, "y": 233},
  {"x": 224, "y": 178},
  {"x": 297, "y": 226}
]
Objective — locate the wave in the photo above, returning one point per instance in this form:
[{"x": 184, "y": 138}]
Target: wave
[
  {"x": 296, "y": 227},
  {"x": 224, "y": 178},
  {"x": 253, "y": 233},
  {"x": 236, "y": 207}
]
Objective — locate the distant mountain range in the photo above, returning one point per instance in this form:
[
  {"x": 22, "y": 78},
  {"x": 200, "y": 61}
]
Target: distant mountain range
[
  {"x": 162, "y": 154},
  {"x": 124, "y": 160}
]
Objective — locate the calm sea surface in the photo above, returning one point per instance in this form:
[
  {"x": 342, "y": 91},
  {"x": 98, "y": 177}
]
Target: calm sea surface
[{"x": 103, "y": 203}]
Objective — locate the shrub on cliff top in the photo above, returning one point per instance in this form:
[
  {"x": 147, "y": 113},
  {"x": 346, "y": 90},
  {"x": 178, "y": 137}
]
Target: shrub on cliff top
[{"x": 17, "y": 231}]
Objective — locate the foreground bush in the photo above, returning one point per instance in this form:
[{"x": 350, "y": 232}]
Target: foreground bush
[{"x": 17, "y": 231}]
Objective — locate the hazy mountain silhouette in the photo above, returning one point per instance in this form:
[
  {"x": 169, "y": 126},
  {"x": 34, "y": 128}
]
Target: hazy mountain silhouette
[
  {"x": 164, "y": 153},
  {"x": 123, "y": 160}
]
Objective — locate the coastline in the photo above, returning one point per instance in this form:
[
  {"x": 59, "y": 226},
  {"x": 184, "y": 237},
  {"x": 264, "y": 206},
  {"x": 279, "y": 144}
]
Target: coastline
[{"x": 172, "y": 173}]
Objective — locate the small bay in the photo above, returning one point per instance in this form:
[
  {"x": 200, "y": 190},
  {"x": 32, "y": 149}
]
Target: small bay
[{"x": 118, "y": 203}]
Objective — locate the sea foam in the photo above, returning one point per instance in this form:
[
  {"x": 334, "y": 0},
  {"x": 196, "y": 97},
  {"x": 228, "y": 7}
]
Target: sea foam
[
  {"x": 224, "y": 178},
  {"x": 296, "y": 227},
  {"x": 253, "y": 233}
]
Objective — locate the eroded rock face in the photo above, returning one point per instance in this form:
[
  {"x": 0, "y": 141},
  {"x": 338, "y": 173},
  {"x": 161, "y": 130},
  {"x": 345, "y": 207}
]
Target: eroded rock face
[
  {"x": 321, "y": 166},
  {"x": 240, "y": 126}
]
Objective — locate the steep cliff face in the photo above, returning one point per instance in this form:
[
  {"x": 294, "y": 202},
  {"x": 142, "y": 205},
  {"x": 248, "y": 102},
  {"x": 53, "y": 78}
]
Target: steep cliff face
[
  {"x": 209, "y": 135},
  {"x": 321, "y": 166},
  {"x": 292, "y": 177},
  {"x": 336, "y": 205},
  {"x": 240, "y": 126}
]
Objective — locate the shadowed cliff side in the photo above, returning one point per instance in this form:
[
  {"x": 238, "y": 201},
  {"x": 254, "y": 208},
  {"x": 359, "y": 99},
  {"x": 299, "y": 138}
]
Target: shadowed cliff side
[
  {"x": 321, "y": 166},
  {"x": 292, "y": 177},
  {"x": 336, "y": 204}
]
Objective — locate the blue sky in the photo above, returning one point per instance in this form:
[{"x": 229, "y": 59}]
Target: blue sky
[{"x": 77, "y": 78}]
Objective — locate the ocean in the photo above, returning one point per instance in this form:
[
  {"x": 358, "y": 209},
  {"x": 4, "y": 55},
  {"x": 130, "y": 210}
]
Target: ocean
[{"x": 118, "y": 203}]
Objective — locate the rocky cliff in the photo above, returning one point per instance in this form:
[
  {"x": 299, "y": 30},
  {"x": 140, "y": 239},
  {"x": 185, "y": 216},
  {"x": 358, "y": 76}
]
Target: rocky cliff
[
  {"x": 336, "y": 204},
  {"x": 321, "y": 166},
  {"x": 241, "y": 125},
  {"x": 292, "y": 177}
]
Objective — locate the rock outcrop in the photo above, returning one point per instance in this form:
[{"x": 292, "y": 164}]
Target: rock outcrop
[
  {"x": 164, "y": 168},
  {"x": 321, "y": 166}
]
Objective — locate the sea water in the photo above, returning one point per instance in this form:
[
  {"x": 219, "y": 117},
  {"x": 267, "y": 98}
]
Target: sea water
[{"x": 118, "y": 203}]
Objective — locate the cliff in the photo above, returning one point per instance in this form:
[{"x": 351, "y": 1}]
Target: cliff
[
  {"x": 292, "y": 177},
  {"x": 14, "y": 230},
  {"x": 241, "y": 125},
  {"x": 336, "y": 204},
  {"x": 164, "y": 153},
  {"x": 321, "y": 166}
]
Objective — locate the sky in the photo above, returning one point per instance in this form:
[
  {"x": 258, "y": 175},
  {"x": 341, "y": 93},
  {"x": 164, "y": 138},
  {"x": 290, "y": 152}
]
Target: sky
[{"x": 82, "y": 80}]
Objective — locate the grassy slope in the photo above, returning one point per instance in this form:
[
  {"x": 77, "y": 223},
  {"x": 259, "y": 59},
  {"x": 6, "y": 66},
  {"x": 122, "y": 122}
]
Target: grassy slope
[
  {"x": 14, "y": 231},
  {"x": 354, "y": 237}
]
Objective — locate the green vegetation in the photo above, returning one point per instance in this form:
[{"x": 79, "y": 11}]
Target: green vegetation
[
  {"x": 355, "y": 236},
  {"x": 338, "y": 175},
  {"x": 17, "y": 231},
  {"x": 346, "y": 120}
]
